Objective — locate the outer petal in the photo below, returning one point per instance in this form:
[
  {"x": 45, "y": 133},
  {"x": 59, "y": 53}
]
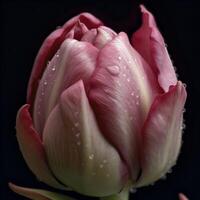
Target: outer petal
[
  {"x": 32, "y": 148},
  {"x": 182, "y": 197},
  {"x": 51, "y": 45},
  {"x": 86, "y": 18},
  {"x": 37, "y": 194},
  {"x": 149, "y": 42},
  {"x": 74, "y": 61},
  {"x": 77, "y": 152},
  {"x": 121, "y": 94},
  {"x": 162, "y": 134}
]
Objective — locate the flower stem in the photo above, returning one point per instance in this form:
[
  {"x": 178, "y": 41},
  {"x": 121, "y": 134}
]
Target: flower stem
[{"x": 123, "y": 195}]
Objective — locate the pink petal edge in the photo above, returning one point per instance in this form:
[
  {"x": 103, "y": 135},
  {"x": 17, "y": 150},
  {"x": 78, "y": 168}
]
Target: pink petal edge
[
  {"x": 148, "y": 41},
  {"x": 182, "y": 196},
  {"x": 49, "y": 48},
  {"x": 162, "y": 134},
  {"x": 32, "y": 148}
]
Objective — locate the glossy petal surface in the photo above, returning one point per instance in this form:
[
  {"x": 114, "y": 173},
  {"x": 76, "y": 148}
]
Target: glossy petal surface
[
  {"x": 122, "y": 90},
  {"x": 162, "y": 134},
  {"x": 148, "y": 41},
  {"x": 77, "y": 151},
  {"x": 51, "y": 45},
  {"x": 74, "y": 61},
  {"x": 32, "y": 148}
]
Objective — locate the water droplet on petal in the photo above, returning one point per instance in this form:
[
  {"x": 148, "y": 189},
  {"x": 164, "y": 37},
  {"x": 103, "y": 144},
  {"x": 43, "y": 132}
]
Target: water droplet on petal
[
  {"x": 76, "y": 124},
  {"x": 53, "y": 68},
  {"x": 105, "y": 161},
  {"x": 101, "y": 166},
  {"x": 183, "y": 126},
  {"x": 133, "y": 190},
  {"x": 91, "y": 156},
  {"x": 128, "y": 79},
  {"x": 107, "y": 175},
  {"x": 184, "y": 85},
  {"x": 132, "y": 94},
  {"x": 45, "y": 83},
  {"x": 77, "y": 134},
  {"x": 114, "y": 70},
  {"x": 119, "y": 57}
]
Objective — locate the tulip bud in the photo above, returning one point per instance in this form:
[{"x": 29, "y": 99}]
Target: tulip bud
[{"x": 102, "y": 115}]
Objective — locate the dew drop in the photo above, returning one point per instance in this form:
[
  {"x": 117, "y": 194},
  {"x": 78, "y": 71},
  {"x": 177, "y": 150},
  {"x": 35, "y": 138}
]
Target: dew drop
[
  {"x": 137, "y": 103},
  {"x": 183, "y": 126},
  {"x": 53, "y": 68},
  {"x": 132, "y": 94},
  {"x": 137, "y": 96},
  {"x": 133, "y": 190},
  {"x": 76, "y": 124},
  {"x": 118, "y": 83},
  {"x": 104, "y": 161},
  {"x": 57, "y": 55},
  {"x": 78, "y": 143},
  {"x": 45, "y": 83},
  {"x": 101, "y": 166},
  {"x": 184, "y": 85},
  {"x": 128, "y": 79},
  {"x": 107, "y": 175},
  {"x": 91, "y": 156},
  {"x": 42, "y": 93},
  {"x": 114, "y": 70},
  {"x": 77, "y": 134},
  {"x": 119, "y": 57}
]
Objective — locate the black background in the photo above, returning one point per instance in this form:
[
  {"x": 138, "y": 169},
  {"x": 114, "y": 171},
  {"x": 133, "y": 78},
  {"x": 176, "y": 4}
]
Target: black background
[{"x": 25, "y": 24}]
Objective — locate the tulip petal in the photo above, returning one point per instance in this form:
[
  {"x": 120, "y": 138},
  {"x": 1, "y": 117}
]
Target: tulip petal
[
  {"x": 86, "y": 18},
  {"x": 51, "y": 45},
  {"x": 32, "y": 148},
  {"x": 99, "y": 37},
  {"x": 148, "y": 41},
  {"x": 162, "y": 134},
  {"x": 182, "y": 196},
  {"x": 46, "y": 52},
  {"x": 37, "y": 194},
  {"x": 77, "y": 152},
  {"x": 77, "y": 31},
  {"x": 74, "y": 61},
  {"x": 122, "y": 90}
]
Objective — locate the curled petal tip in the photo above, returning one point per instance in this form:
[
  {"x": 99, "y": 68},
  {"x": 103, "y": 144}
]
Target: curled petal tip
[{"x": 182, "y": 196}]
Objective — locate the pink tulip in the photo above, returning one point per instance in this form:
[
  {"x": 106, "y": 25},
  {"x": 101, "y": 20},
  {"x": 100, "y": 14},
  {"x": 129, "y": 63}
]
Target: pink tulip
[{"x": 101, "y": 112}]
